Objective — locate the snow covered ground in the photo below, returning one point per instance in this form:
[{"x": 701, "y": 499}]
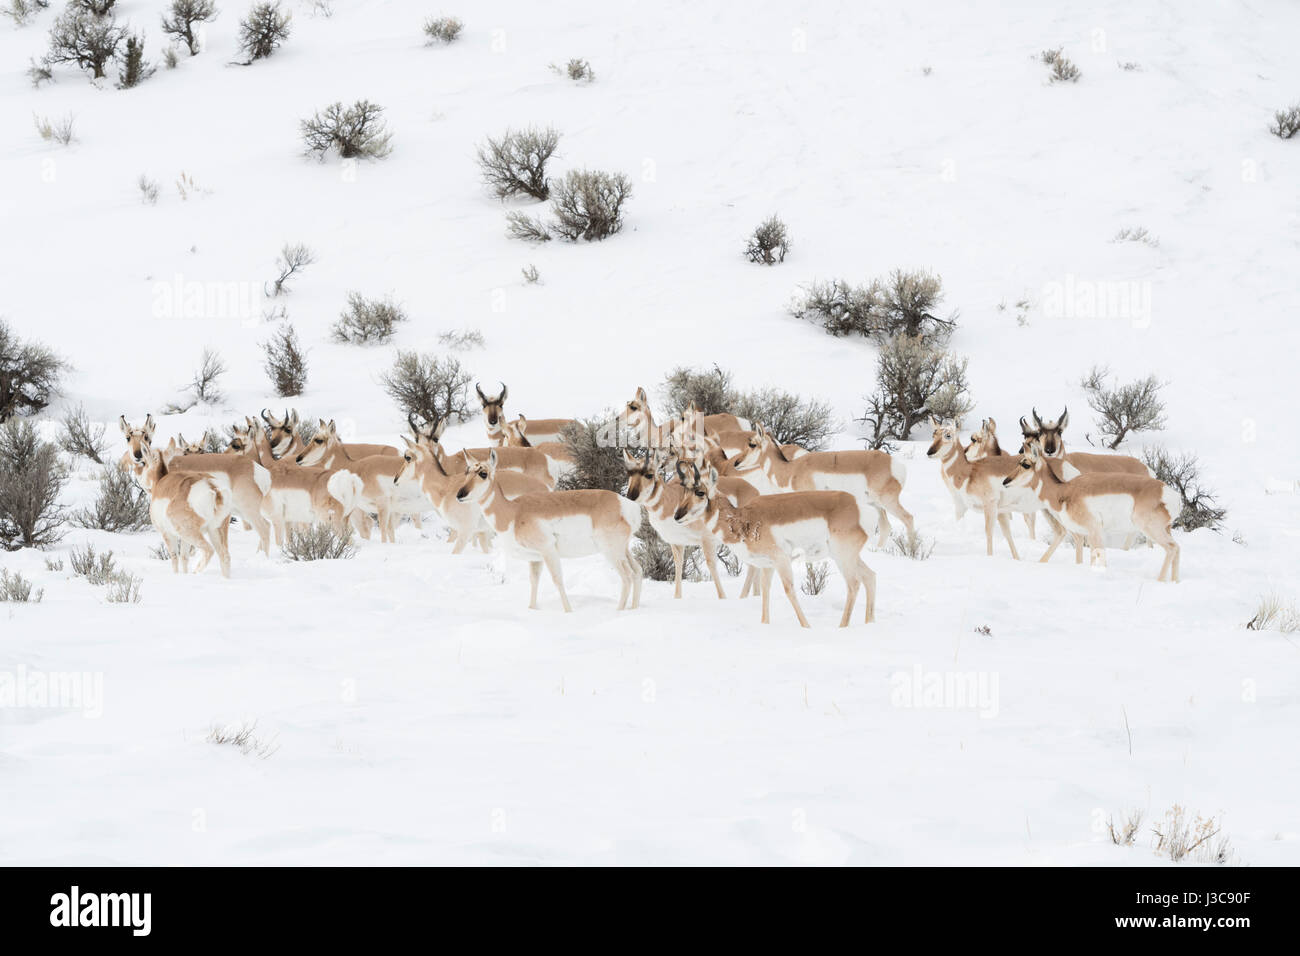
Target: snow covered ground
[{"x": 421, "y": 713}]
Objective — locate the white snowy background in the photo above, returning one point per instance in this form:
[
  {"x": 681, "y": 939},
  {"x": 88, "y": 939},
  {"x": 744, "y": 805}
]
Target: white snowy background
[{"x": 422, "y": 714}]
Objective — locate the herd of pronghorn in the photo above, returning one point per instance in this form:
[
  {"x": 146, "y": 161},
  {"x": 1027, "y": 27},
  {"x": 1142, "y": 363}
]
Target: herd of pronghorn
[{"x": 701, "y": 480}]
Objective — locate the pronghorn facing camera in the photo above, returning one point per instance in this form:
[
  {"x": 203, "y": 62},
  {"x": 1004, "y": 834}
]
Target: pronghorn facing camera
[
  {"x": 768, "y": 531},
  {"x": 546, "y": 528},
  {"x": 282, "y": 433},
  {"x": 139, "y": 439},
  {"x": 1092, "y": 504},
  {"x": 327, "y": 450},
  {"x": 494, "y": 418},
  {"x": 875, "y": 478},
  {"x": 190, "y": 511},
  {"x": 1051, "y": 442},
  {"x": 527, "y": 461},
  {"x": 559, "y": 458}
]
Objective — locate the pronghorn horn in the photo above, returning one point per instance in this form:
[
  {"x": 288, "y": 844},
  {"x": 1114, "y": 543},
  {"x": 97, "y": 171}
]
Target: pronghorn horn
[
  {"x": 681, "y": 471},
  {"x": 479, "y": 388},
  {"x": 1037, "y": 421},
  {"x": 504, "y": 391},
  {"x": 410, "y": 420},
  {"x": 266, "y": 416}
]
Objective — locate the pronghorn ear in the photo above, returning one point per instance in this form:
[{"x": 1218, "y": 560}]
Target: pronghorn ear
[
  {"x": 504, "y": 392},
  {"x": 180, "y": 438},
  {"x": 934, "y": 422},
  {"x": 322, "y": 423},
  {"x": 481, "y": 397},
  {"x": 640, "y": 394},
  {"x": 409, "y": 443},
  {"x": 631, "y": 459},
  {"x": 1065, "y": 417},
  {"x": 713, "y": 475},
  {"x": 149, "y": 426},
  {"x": 171, "y": 444},
  {"x": 522, "y": 424},
  {"x": 126, "y": 429},
  {"x": 991, "y": 425},
  {"x": 333, "y": 429},
  {"x": 1037, "y": 421},
  {"x": 492, "y": 458},
  {"x": 439, "y": 427},
  {"x": 293, "y": 418}
]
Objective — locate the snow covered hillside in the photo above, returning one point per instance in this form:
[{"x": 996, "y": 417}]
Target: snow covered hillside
[{"x": 422, "y": 714}]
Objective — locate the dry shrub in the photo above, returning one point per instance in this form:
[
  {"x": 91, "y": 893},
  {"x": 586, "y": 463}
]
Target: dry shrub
[{"x": 30, "y": 482}]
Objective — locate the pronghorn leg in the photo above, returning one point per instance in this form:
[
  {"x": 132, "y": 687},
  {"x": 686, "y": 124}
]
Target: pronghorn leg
[
  {"x": 765, "y": 583},
  {"x": 557, "y": 575},
  {"x": 849, "y": 573},
  {"x": 883, "y": 528},
  {"x": 868, "y": 578},
  {"x": 678, "y": 559},
  {"x": 895, "y": 508},
  {"x": 787, "y": 582},
  {"x": 619, "y": 561},
  {"x": 634, "y": 567},
  {"x": 1004, "y": 520},
  {"x": 1029, "y": 525},
  {"x": 751, "y": 587},
  {"x": 1178, "y": 553},
  {"x": 534, "y": 576},
  {"x": 711, "y": 559},
  {"x": 990, "y": 514},
  {"x": 484, "y": 545},
  {"x": 417, "y": 521},
  {"x": 223, "y": 551},
  {"x": 173, "y": 551},
  {"x": 1058, "y": 535},
  {"x": 205, "y": 550},
  {"x": 1078, "y": 548},
  {"x": 361, "y": 521}
]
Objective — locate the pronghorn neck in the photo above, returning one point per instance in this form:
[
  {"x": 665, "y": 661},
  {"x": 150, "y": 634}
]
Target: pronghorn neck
[
  {"x": 296, "y": 447},
  {"x": 776, "y": 466},
  {"x": 953, "y": 464},
  {"x": 725, "y": 520},
  {"x": 498, "y": 509},
  {"x": 261, "y": 450},
  {"x": 496, "y": 432}
]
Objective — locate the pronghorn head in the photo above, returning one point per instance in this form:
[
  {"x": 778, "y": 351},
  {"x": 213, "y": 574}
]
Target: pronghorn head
[
  {"x": 983, "y": 441},
  {"x": 326, "y": 437},
  {"x": 751, "y": 456},
  {"x": 494, "y": 409},
  {"x": 478, "y": 477},
  {"x": 138, "y": 439},
  {"x": 514, "y": 435},
  {"x": 698, "y": 491},
  {"x": 280, "y": 431},
  {"x": 153, "y": 467},
  {"x": 945, "y": 437},
  {"x": 427, "y": 434},
  {"x": 411, "y": 458},
  {"x": 243, "y": 438},
  {"x": 1050, "y": 433},
  {"x": 191, "y": 447},
  {"x": 636, "y": 412},
  {"x": 1030, "y": 460},
  {"x": 641, "y": 473}
]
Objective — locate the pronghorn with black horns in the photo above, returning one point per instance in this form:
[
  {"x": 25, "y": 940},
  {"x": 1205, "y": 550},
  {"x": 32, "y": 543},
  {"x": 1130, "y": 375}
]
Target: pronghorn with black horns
[
  {"x": 767, "y": 532},
  {"x": 282, "y": 434},
  {"x": 541, "y": 430},
  {"x": 546, "y": 528},
  {"x": 527, "y": 461},
  {"x": 190, "y": 510},
  {"x": 1092, "y": 504},
  {"x": 874, "y": 478},
  {"x": 1051, "y": 442}
]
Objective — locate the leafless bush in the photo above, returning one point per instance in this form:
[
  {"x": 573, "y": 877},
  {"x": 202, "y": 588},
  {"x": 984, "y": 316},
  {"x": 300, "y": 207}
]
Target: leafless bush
[
  {"x": 1286, "y": 123},
  {"x": 730, "y": 562},
  {"x": 262, "y": 32},
  {"x": 293, "y": 258},
  {"x": 17, "y": 589},
  {"x": 597, "y": 460},
  {"x": 909, "y": 544},
  {"x": 768, "y": 243},
  {"x": 53, "y": 564},
  {"x": 1183, "y": 474},
  {"x": 1137, "y": 234},
  {"x": 205, "y": 386},
  {"x": 792, "y": 419},
  {"x": 29, "y": 375},
  {"x": 55, "y": 131},
  {"x": 588, "y": 204},
  {"x": 528, "y": 228},
  {"x": 19, "y": 11},
  {"x": 531, "y": 275},
  {"x": 442, "y": 30},
  {"x": 515, "y": 164},
  {"x": 1135, "y": 407},
  {"x": 430, "y": 387},
  {"x": 39, "y": 72},
  {"x": 135, "y": 68},
  {"x": 903, "y": 303},
  {"x": 577, "y": 69},
  {"x": 243, "y": 739},
  {"x": 655, "y": 556},
  {"x": 97, "y": 8},
  {"x": 120, "y": 505},
  {"x": 1183, "y": 837},
  {"x": 170, "y": 59},
  {"x": 30, "y": 482},
  {"x": 1275, "y": 613},
  {"x": 96, "y": 568},
  {"x": 184, "y": 17},
  {"x": 1127, "y": 830},
  {"x": 319, "y": 542},
  {"x": 148, "y": 189},
  {"x": 914, "y": 379},
  {"x": 1063, "y": 71},
  {"x": 80, "y": 436},
  {"x": 709, "y": 390},
  {"x": 356, "y": 132},
  {"x": 461, "y": 340},
  {"x": 368, "y": 320},
  {"x": 123, "y": 588},
  {"x": 90, "y": 41},
  {"x": 815, "y": 577},
  {"x": 286, "y": 362}
]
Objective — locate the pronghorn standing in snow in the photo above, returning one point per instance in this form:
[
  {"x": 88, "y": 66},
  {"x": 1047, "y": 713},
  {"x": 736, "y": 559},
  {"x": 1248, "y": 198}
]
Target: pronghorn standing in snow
[
  {"x": 324, "y": 447},
  {"x": 527, "y": 461},
  {"x": 984, "y": 444},
  {"x": 559, "y": 458},
  {"x": 660, "y": 499},
  {"x": 282, "y": 434},
  {"x": 1051, "y": 438},
  {"x": 770, "y": 529},
  {"x": 545, "y": 528},
  {"x": 1092, "y": 504},
  {"x": 300, "y": 495},
  {"x": 139, "y": 439},
  {"x": 494, "y": 418},
  {"x": 244, "y": 482},
  {"x": 875, "y": 478},
  {"x": 421, "y": 465},
  {"x": 190, "y": 510}
]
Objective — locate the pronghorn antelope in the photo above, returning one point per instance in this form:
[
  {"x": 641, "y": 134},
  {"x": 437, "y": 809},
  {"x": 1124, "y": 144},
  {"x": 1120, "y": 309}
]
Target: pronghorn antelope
[
  {"x": 282, "y": 433},
  {"x": 190, "y": 510},
  {"x": 527, "y": 461},
  {"x": 300, "y": 495},
  {"x": 979, "y": 484},
  {"x": 545, "y": 528},
  {"x": 984, "y": 444},
  {"x": 559, "y": 458},
  {"x": 1092, "y": 504},
  {"x": 660, "y": 499},
  {"x": 1051, "y": 438},
  {"x": 420, "y": 465},
  {"x": 694, "y": 430},
  {"x": 494, "y": 417},
  {"x": 328, "y": 451},
  {"x": 875, "y": 478},
  {"x": 244, "y": 482},
  {"x": 770, "y": 529}
]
